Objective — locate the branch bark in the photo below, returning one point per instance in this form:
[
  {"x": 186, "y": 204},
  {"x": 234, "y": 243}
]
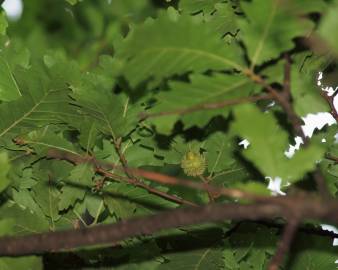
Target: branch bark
[
  {"x": 330, "y": 101},
  {"x": 152, "y": 190},
  {"x": 111, "y": 234},
  {"x": 284, "y": 245},
  {"x": 321, "y": 184}
]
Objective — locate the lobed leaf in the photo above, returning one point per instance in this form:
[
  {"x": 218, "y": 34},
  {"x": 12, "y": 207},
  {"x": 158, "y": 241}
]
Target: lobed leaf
[
  {"x": 269, "y": 28},
  {"x": 165, "y": 47}
]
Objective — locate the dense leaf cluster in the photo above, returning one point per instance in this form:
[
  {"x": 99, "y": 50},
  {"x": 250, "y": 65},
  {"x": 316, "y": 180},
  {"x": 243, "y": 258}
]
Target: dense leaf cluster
[{"x": 83, "y": 77}]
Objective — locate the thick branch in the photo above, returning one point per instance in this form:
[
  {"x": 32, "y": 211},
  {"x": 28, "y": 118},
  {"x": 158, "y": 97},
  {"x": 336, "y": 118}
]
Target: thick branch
[
  {"x": 321, "y": 184},
  {"x": 111, "y": 234}
]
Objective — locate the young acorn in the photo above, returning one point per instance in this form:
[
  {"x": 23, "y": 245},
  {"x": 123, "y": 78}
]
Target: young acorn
[{"x": 193, "y": 163}]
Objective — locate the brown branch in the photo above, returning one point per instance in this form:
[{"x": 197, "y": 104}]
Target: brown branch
[
  {"x": 318, "y": 45},
  {"x": 330, "y": 101},
  {"x": 206, "y": 184},
  {"x": 98, "y": 166},
  {"x": 111, "y": 234},
  {"x": 117, "y": 144},
  {"x": 332, "y": 158},
  {"x": 296, "y": 123},
  {"x": 306, "y": 208},
  {"x": 293, "y": 117},
  {"x": 207, "y": 106},
  {"x": 282, "y": 99},
  {"x": 170, "y": 180},
  {"x": 140, "y": 184},
  {"x": 284, "y": 245},
  {"x": 153, "y": 176},
  {"x": 137, "y": 182},
  {"x": 228, "y": 192},
  {"x": 321, "y": 184}
]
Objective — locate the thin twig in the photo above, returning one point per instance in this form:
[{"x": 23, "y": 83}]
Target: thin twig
[
  {"x": 153, "y": 176},
  {"x": 284, "y": 245},
  {"x": 137, "y": 182},
  {"x": 320, "y": 181},
  {"x": 281, "y": 99},
  {"x": 207, "y": 106},
  {"x": 152, "y": 190},
  {"x": 293, "y": 117},
  {"x": 99, "y": 168},
  {"x": 296, "y": 123},
  {"x": 206, "y": 183},
  {"x": 228, "y": 192},
  {"x": 117, "y": 144},
  {"x": 330, "y": 101},
  {"x": 284, "y": 99}
]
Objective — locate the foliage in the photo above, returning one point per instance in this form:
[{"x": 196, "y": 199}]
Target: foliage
[{"x": 124, "y": 78}]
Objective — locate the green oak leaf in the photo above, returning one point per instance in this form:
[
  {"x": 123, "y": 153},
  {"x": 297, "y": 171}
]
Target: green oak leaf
[
  {"x": 76, "y": 185},
  {"x": 312, "y": 252},
  {"x": 200, "y": 90},
  {"x": 48, "y": 197},
  {"x": 25, "y": 221},
  {"x": 192, "y": 6},
  {"x": 165, "y": 47},
  {"x": 268, "y": 29},
  {"x": 268, "y": 143},
  {"x": 113, "y": 114},
  {"x": 3, "y": 23},
  {"x": 9, "y": 89},
  {"x": 5, "y": 166},
  {"x": 328, "y": 26},
  {"x": 219, "y": 152},
  {"x": 208, "y": 258},
  {"x": 45, "y": 99},
  {"x": 72, "y": 2},
  {"x": 223, "y": 20}
]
